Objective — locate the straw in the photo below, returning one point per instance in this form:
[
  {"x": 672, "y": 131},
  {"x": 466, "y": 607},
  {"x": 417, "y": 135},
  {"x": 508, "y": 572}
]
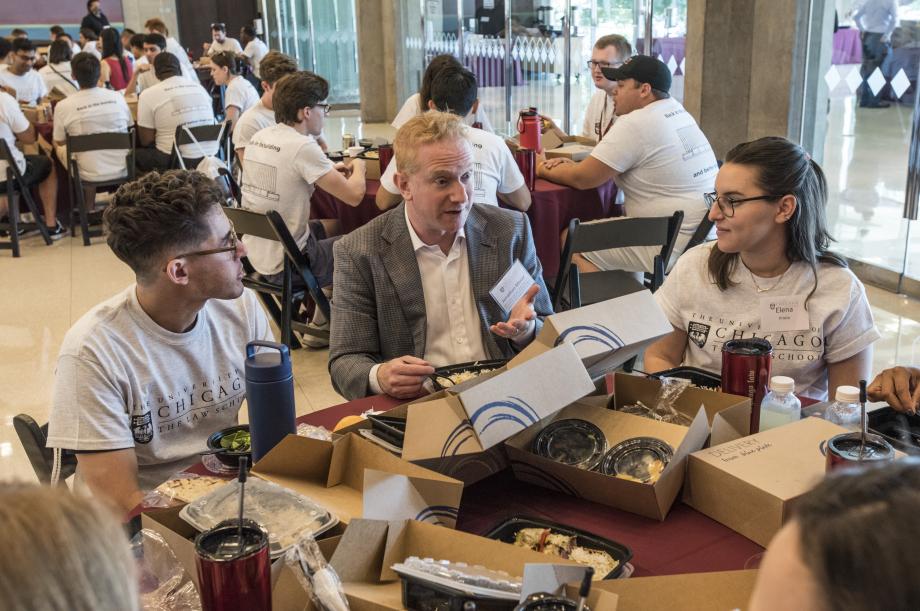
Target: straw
[
  {"x": 863, "y": 420},
  {"x": 244, "y": 465}
]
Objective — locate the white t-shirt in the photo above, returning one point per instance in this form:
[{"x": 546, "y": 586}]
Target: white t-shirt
[
  {"x": 93, "y": 48},
  {"x": 255, "y": 50},
  {"x": 188, "y": 70},
  {"x": 494, "y": 169},
  {"x": 599, "y": 115},
  {"x": 840, "y": 318},
  {"x": 59, "y": 75},
  {"x": 257, "y": 118},
  {"x": 94, "y": 111},
  {"x": 229, "y": 44},
  {"x": 413, "y": 107},
  {"x": 665, "y": 162},
  {"x": 75, "y": 48},
  {"x": 30, "y": 87},
  {"x": 146, "y": 80},
  {"x": 171, "y": 103},
  {"x": 279, "y": 172},
  {"x": 122, "y": 381},
  {"x": 12, "y": 122},
  {"x": 240, "y": 93}
]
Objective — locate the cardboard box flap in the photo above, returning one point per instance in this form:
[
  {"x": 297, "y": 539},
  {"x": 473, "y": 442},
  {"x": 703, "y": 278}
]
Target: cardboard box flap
[
  {"x": 691, "y": 592},
  {"x": 628, "y": 389},
  {"x": 400, "y": 497},
  {"x": 300, "y": 457},
  {"x": 359, "y": 554},
  {"x": 364, "y": 454},
  {"x": 520, "y": 397},
  {"x": 438, "y": 427}
]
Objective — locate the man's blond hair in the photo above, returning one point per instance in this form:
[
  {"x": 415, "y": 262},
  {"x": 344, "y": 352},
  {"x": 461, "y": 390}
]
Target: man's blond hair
[
  {"x": 157, "y": 25},
  {"x": 427, "y": 128}
]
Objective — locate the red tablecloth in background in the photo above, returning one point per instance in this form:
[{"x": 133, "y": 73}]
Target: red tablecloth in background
[
  {"x": 847, "y": 47},
  {"x": 553, "y": 207}
]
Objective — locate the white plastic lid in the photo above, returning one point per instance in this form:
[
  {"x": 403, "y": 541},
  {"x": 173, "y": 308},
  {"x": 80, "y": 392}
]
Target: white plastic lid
[
  {"x": 847, "y": 394},
  {"x": 782, "y": 384}
]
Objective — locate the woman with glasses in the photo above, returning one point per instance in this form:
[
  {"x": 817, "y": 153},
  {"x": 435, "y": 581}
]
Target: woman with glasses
[
  {"x": 239, "y": 95},
  {"x": 770, "y": 274}
]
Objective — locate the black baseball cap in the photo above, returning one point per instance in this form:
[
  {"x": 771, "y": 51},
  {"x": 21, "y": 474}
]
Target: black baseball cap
[{"x": 644, "y": 69}]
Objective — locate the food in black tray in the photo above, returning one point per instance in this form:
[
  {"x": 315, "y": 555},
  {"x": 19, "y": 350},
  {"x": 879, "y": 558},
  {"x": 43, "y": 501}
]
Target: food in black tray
[
  {"x": 698, "y": 377},
  {"x": 640, "y": 459},
  {"x": 232, "y": 443},
  {"x": 389, "y": 429},
  {"x": 607, "y": 557},
  {"x": 452, "y": 375},
  {"x": 900, "y": 430},
  {"x": 573, "y": 442}
]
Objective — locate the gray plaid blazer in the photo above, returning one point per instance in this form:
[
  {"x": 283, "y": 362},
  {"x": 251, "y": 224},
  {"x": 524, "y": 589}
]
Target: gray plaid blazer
[{"x": 378, "y": 307}]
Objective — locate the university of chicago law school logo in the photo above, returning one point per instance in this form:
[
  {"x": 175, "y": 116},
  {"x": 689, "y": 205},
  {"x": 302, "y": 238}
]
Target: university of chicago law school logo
[
  {"x": 698, "y": 333},
  {"x": 142, "y": 428}
]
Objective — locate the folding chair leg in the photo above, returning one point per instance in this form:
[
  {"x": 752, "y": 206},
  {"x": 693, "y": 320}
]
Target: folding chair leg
[
  {"x": 33, "y": 208},
  {"x": 81, "y": 203},
  {"x": 287, "y": 305},
  {"x": 13, "y": 199}
]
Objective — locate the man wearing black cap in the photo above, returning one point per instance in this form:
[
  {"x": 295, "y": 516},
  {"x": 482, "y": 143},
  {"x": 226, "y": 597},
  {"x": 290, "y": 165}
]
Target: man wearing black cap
[{"x": 655, "y": 152}]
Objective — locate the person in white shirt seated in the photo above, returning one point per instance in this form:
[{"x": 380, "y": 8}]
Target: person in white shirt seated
[
  {"x": 20, "y": 77},
  {"x": 136, "y": 46},
  {"x": 144, "y": 378},
  {"x": 144, "y": 76},
  {"x": 273, "y": 68},
  {"x": 495, "y": 173},
  {"x": 412, "y": 286},
  {"x": 156, "y": 26},
  {"x": 609, "y": 52},
  {"x": 254, "y": 50},
  {"x": 656, "y": 153},
  {"x": 56, "y": 73},
  {"x": 239, "y": 95},
  {"x": 89, "y": 42},
  {"x": 91, "y": 110},
  {"x": 417, "y": 103},
  {"x": 769, "y": 212},
  {"x": 172, "y": 102},
  {"x": 58, "y": 32},
  {"x": 284, "y": 164},
  {"x": 220, "y": 42}
]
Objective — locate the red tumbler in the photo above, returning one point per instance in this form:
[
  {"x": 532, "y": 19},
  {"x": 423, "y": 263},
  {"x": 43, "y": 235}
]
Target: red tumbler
[
  {"x": 385, "y": 152},
  {"x": 527, "y": 162},
  {"x": 746, "y": 365},
  {"x": 234, "y": 575},
  {"x": 528, "y": 126},
  {"x": 849, "y": 451}
]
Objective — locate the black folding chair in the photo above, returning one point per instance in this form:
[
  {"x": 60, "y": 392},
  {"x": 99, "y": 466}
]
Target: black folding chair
[
  {"x": 202, "y": 133},
  {"x": 232, "y": 185},
  {"x": 628, "y": 232},
  {"x": 110, "y": 141},
  {"x": 701, "y": 233},
  {"x": 16, "y": 188},
  {"x": 34, "y": 438},
  {"x": 297, "y": 283}
]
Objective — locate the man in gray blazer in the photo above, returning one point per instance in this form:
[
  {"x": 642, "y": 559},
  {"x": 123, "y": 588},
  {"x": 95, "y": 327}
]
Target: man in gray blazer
[{"x": 411, "y": 288}]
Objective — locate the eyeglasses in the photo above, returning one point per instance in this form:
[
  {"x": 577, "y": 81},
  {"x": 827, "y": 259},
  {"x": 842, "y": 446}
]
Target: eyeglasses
[
  {"x": 593, "y": 64},
  {"x": 26, "y": 58},
  {"x": 233, "y": 247},
  {"x": 727, "y": 204},
  {"x": 326, "y": 108}
]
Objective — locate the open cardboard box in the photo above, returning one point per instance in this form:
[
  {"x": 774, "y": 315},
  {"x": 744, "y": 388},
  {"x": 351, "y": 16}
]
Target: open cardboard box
[
  {"x": 556, "y": 143},
  {"x": 368, "y": 549},
  {"x": 718, "y": 591},
  {"x": 750, "y": 484}
]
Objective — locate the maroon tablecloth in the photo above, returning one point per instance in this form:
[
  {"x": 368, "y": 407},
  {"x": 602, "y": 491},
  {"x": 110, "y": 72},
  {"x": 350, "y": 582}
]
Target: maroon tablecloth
[
  {"x": 490, "y": 71},
  {"x": 553, "y": 207},
  {"x": 847, "y": 47}
]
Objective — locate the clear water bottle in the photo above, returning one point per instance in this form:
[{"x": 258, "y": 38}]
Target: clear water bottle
[
  {"x": 845, "y": 408},
  {"x": 780, "y": 406}
]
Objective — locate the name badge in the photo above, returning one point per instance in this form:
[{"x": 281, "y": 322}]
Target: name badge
[
  {"x": 783, "y": 314},
  {"x": 512, "y": 286}
]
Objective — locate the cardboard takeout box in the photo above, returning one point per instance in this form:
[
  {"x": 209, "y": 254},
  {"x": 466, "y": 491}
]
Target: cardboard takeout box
[{"x": 718, "y": 591}]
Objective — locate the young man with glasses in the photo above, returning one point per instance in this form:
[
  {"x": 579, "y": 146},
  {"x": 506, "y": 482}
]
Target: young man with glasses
[
  {"x": 609, "y": 52},
  {"x": 284, "y": 164},
  {"x": 220, "y": 42},
  {"x": 20, "y": 77},
  {"x": 145, "y": 377}
]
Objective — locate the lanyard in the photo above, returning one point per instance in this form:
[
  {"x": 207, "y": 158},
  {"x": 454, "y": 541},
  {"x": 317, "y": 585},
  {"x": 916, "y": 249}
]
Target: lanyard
[{"x": 597, "y": 126}]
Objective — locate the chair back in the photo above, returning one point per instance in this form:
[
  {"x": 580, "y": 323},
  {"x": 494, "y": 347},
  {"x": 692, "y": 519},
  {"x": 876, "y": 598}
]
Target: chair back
[
  {"x": 205, "y": 133},
  {"x": 234, "y": 187},
  {"x": 12, "y": 170},
  {"x": 108, "y": 141},
  {"x": 701, "y": 233},
  {"x": 34, "y": 439}
]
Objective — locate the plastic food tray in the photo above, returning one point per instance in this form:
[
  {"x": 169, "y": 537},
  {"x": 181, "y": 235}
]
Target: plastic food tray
[
  {"x": 474, "y": 366},
  {"x": 900, "y": 430},
  {"x": 697, "y": 377},
  {"x": 505, "y": 531}
]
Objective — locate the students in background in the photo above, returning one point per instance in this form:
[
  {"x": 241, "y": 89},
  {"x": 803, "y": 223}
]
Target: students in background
[
  {"x": 116, "y": 69},
  {"x": 239, "y": 95}
]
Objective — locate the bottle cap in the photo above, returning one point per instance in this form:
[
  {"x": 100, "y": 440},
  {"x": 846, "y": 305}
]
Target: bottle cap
[
  {"x": 847, "y": 394},
  {"x": 782, "y": 384}
]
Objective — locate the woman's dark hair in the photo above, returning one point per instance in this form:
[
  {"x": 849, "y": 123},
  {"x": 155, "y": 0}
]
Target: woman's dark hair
[
  {"x": 159, "y": 212},
  {"x": 437, "y": 63},
  {"x": 226, "y": 59},
  {"x": 111, "y": 47},
  {"x": 784, "y": 167},
  {"x": 296, "y": 91},
  {"x": 60, "y": 51},
  {"x": 858, "y": 532}
]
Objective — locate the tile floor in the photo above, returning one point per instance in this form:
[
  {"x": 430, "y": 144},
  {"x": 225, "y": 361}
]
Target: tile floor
[{"x": 46, "y": 290}]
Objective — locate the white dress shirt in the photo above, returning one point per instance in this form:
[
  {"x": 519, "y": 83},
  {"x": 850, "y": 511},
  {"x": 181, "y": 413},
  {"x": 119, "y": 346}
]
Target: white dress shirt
[{"x": 878, "y": 16}]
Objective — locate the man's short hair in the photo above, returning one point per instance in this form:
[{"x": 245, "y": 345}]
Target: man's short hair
[
  {"x": 128, "y": 31},
  {"x": 624, "y": 49},
  {"x": 60, "y": 51},
  {"x": 427, "y": 128},
  {"x": 296, "y": 91},
  {"x": 157, "y": 25},
  {"x": 22, "y": 44},
  {"x": 658, "y": 94},
  {"x": 85, "y": 68},
  {"x": 89, "y": 3},
  {"x": 18, "y": 32},
  {"x": 226, "y": 59},
  {"x": 276, "y": 65},
  {"x": 219, "y": 27},
  {"x": 151, "y": 217},
  {"x": 165, "y": 65},
  {"x": 89, "y": 34},
  {"x": 137, "y": 41},
  {"x": 248, "y": 30},
  {"x": 454, "y": 90},
  {"x": 154, "y": 39},
  {"x": 56, "y": 31}
]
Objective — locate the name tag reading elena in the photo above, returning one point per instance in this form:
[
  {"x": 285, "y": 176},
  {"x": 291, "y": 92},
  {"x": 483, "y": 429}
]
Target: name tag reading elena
[
  {"x": 512, "y": 286},
  {"x": 783, "y": 313}
]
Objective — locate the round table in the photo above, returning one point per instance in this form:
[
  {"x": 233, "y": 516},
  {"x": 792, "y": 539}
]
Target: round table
[{"x": 551, "y": 210}]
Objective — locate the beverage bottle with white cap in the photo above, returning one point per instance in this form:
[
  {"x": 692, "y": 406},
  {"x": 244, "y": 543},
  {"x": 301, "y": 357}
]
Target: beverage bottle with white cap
[
  {"x": 845, "y": 408},
  {"x": 780, "y": 406}
]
